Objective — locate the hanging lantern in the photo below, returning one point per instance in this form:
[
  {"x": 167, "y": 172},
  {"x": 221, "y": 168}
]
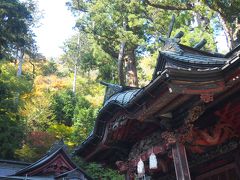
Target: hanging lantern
[
  {"x": 140, "y": 168},
  {"x": 152, "y": 161}
]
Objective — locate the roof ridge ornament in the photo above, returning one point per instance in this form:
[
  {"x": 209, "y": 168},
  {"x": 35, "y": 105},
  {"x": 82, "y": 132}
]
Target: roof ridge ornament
[
  {"x": 200, "y": 44},
  {"x": 172, "y": 44}
]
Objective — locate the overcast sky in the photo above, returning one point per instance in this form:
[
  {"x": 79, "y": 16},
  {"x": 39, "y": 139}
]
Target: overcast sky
[{"x": 56, "y": 27}]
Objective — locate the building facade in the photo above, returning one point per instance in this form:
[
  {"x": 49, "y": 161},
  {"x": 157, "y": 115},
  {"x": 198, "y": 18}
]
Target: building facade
[{"x": 185, "y": 124}]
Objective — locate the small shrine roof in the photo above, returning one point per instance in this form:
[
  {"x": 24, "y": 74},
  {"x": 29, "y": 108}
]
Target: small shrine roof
[{"x": 57, "y": 148}]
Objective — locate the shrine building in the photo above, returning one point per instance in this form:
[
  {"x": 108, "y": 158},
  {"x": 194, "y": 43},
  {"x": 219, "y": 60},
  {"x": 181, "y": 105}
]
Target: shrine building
[
  {"x": 56, "y": 164},
  {"x": 185, "y": 124}
]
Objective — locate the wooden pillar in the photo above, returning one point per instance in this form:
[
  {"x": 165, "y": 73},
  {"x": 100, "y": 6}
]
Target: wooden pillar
[
  {"x": 180, "y": 162},
  {"x": 128, "y": 176}
]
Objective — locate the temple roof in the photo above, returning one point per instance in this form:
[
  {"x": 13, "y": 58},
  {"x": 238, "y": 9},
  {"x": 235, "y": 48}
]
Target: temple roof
[
  {"x": 191, "y": 59},
  {"x": 194, "y": 58},
  {"x": 57, "y": 149},
  {"x": 183, "y": 75}
]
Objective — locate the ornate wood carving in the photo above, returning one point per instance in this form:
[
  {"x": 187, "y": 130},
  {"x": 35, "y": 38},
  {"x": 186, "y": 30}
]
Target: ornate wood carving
[
  {"x": 157, "y": 142},
  {"x": 57, "y": 167},
  {"x": 230, "y": 115},
  {"x": 206, "y": 97},
  {"x": 225, "y": 129},
  {"x": 213, "y": 153},
  {"x": 196, "y": 140}
]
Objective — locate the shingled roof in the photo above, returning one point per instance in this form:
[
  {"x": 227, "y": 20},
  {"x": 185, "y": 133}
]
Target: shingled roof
[{"x": 185, "y": 75}]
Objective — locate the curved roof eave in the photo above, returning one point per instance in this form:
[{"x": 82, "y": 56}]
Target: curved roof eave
[
  {"x": 114, "y": 104},
  {"x": 109, "y": 109}
]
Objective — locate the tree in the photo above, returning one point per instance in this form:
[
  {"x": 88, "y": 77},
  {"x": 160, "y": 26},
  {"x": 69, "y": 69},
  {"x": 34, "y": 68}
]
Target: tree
[
  {"x": 62, "y": 106},
  {"x": 74, "y": 48},
  {"x": 11, "y": 122},
  {"x": 15, "y": 31},
  {"x": 111, "y": 23},
  {"x": 36, "y": 144},
  {"x": 228, "y": 13},
  {"x": 84, "y": 118},
  {"x": 87, "y": 59},
  {"x": 128, "y": 29}
]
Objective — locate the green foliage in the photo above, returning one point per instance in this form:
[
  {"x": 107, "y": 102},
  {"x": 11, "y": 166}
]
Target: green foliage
[
  {"x": 96, "y": 171},
  {"x": 84, "y": 118},
  {"x": 26, "y": 153},
  {"x": 36, "y": 144},
  {"x": 227, "y": 8},
  {"x": 12, "y": 90},
  {"x": 11, "y": 135},
  {"x": 63, "y": 105},
  {"x": 88, "y": 56},
  {"x": 15, "y": 31},
  {"x": 49, "y": 68},
  {"x": 36, "y": 112},
  {"x": 147, "y": 65},
  {"x": 61, "y": 131}
]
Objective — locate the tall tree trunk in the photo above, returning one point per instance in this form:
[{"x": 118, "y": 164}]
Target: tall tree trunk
[
  {"x": 121, "y": 74},
  {"x": 75, "y": 78},
  {"x": 236, "y": 33},
  {"x": 33, "y": 68},
  {"x": 227, "y": 31},
  {"x": 77, "y": 60},
  {"x": 131, "y": 69},
  {"x": 20, "y": 55}
]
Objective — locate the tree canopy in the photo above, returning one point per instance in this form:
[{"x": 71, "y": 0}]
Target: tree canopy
[{"x": 15, "y": 29}]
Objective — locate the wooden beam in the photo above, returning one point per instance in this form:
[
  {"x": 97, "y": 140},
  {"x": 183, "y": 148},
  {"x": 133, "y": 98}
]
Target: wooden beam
[{"x": 180, "y": 162}]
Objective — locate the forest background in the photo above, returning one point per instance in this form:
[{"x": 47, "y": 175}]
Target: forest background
[{"x": 117, "y": 41}]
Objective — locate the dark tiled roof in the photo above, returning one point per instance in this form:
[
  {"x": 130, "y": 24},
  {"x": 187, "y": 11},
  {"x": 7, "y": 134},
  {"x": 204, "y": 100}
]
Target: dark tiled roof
[
  {"x": 195, "y": 58},
  {"x": 11, "y": 167},
  {"x": 123, "y": 97}
]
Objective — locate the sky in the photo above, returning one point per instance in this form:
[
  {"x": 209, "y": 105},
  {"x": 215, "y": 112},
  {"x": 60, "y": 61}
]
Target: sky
[{"x": 56, "y": 26}]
